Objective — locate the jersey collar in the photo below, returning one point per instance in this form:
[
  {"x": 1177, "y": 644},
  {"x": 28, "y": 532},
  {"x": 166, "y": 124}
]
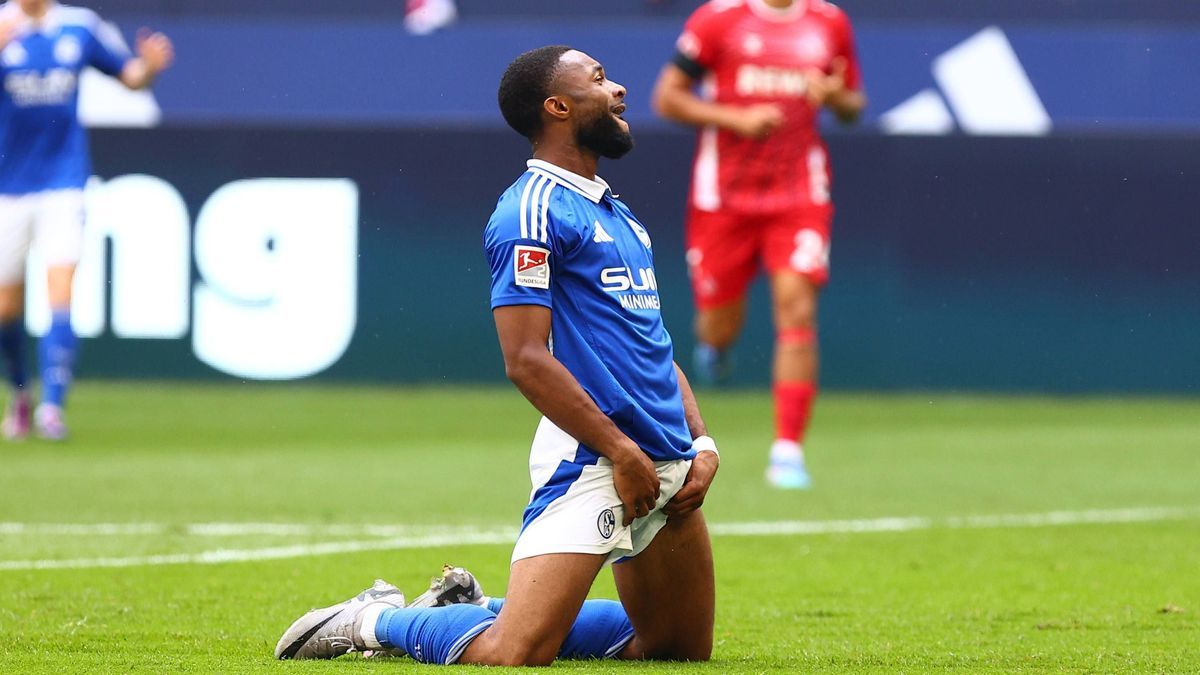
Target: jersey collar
[
  {"x": 592, "y": 189},
  {"x": 765, "y": 11},
  {"x": 49, "y": 22}
]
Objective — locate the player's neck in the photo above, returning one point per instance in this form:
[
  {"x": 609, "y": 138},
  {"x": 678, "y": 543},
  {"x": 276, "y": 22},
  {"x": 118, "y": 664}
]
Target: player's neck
[
  {"x": 780, "y": 4},
  {"x": 573, "y": 158}
]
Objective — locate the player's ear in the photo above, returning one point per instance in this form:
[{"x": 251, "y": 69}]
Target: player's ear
[{"x": 557, "y": 107}]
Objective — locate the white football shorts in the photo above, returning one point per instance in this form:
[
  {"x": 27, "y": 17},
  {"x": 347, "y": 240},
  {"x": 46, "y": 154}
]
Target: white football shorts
[
  {"x": 52, "y": 219},
  {"x": 574, "y": 507}
]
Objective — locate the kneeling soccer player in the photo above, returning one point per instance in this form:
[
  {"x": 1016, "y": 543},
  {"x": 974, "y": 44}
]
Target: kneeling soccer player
[{"x": 620, "y": 463}]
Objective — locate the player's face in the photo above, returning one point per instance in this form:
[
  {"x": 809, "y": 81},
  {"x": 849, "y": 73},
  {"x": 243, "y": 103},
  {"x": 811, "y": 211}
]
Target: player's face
[
  {"x": 33, "y": 7},
  {"x": 599, "y": 103}
]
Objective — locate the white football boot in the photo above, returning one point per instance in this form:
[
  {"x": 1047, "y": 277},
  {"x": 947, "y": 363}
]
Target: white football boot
[{"x": 332, "y": 631}]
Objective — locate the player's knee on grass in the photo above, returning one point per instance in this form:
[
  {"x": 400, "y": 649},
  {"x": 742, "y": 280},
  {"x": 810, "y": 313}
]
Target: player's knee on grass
[{"x": 691, "y": 648}]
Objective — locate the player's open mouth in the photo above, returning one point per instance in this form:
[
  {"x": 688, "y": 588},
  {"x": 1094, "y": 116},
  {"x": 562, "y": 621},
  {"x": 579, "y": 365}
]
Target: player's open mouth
[{"x": 618, "y": 110}]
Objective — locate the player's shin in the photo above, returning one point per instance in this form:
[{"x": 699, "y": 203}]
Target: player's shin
[
  {"x": 429, "y": 634},
  {"x": 57, "y": 355},
  {"x": 12, "y": 346}
]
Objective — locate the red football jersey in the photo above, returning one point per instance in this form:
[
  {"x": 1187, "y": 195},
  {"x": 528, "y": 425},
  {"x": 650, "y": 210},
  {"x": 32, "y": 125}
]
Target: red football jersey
[{"x": 746, "y": 52}]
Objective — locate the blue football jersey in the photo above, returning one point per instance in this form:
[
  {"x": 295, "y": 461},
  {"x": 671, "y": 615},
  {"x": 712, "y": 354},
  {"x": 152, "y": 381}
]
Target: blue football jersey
[
  {"x": 563, "y": 241},
  {"x": 42, "y": 144}
]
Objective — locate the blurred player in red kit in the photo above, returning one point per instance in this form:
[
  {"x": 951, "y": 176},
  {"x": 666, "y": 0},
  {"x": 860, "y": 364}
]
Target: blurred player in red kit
[{"x": 761, "y": 183}]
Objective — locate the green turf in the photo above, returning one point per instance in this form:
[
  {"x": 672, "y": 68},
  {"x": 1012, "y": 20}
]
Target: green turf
[{"x": 1080, "y": 598}]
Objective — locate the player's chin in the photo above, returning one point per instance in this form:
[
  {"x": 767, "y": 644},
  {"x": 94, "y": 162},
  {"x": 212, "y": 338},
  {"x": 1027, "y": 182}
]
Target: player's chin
[{"x": 621, "y": 123}]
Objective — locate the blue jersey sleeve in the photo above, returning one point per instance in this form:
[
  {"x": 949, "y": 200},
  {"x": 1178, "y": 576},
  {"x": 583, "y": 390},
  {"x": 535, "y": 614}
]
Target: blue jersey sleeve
[
  {"x": 525, "y": 240},
  {"x": 107, "y": 51}
]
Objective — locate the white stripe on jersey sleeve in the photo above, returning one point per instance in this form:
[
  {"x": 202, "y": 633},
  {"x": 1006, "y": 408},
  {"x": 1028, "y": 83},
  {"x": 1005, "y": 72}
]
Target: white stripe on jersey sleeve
[
  {"x": 524, "y": 207},
  {"x": 546, "y": 207},
  {"x": 535, "y": 207},
  {"x": 110, "y": 36}
]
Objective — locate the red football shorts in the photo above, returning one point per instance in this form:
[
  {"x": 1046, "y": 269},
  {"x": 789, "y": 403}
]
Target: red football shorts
[{"x": 726, "y": 250}]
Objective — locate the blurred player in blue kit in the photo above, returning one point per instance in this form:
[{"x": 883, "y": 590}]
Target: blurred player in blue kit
[
  {"x": 44, "y": 165},
  {"x": 621, "y": 460}
]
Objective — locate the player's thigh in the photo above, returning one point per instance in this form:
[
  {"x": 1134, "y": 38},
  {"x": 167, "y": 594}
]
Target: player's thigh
[
  {"x": 543, "y": 598},
  {"x": 722, "y": 256},
  {"x": 669, "y": 593},
  {"x": 58, "y": 227},
  {"x": 16, "y": 233}
]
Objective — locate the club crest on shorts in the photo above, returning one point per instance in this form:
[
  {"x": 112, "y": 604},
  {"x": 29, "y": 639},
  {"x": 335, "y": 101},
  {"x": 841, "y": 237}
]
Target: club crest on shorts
[
  {"x": 606, "y": 523},
  {"x": 531, "y": 266}
]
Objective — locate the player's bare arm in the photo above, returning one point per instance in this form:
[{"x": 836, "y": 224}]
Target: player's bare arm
[
  {"x": 704, "y": 467},
  {"x": 8, "y": 29},
  {"x": 675, "y": 98},
  {"x": 830, "y": 90},
  {"x": 155, "y": 53},
  {"x": 524, "y": 332}
]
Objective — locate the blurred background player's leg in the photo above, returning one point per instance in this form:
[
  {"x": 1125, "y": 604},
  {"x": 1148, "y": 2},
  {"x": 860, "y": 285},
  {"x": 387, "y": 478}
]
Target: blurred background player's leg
[
  {"x": 12, "y": 345},
  {"x": 56, "y": 354},
  {"x": 717, "y": 328},
  {"x": 722, "y": 259},
  {"x": 794, "y": 299},
  {"x": 14, "y": 246},
  {"x": 59, "y": 233}
]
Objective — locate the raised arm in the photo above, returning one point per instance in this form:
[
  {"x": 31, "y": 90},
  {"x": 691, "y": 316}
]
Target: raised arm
[
  {"x": 524, "y": 332},
  {"x": 155, "y": 53}
]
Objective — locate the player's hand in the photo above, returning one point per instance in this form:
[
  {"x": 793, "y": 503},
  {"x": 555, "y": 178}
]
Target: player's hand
[
  {"x": 822, "y": 86},
  {"x": 637, "y": 484},
  {"x": 695, "y": 487},
  {"x": 758, "y": 121},
  {"x": 155, "y": 50}
]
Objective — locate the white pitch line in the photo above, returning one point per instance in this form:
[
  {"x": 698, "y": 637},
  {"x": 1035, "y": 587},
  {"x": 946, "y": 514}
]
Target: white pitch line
[{"x": 430, "y": 536}]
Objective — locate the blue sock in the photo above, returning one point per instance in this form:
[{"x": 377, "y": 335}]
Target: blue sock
[
  {"x": 601, "y": 630},
  {"x": 433, "y": 634},
  {"x": 57, "y": 354},
  {"x": 12, "y": 345}
]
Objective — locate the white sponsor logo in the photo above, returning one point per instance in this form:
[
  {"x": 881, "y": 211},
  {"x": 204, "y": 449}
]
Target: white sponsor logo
[
  {"x": 771, "y": 82},
  {"x": 619, "y": 279},
  {"x": 531, "y": 267},
  {"x": 983, "y": 83},
  {"x": 622, "y": 279},
  {"x": 278, "y": 264},
  {"x": 30, "y": 88}
]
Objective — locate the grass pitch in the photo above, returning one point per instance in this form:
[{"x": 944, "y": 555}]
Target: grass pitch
[{"x": 183, "y": 528}]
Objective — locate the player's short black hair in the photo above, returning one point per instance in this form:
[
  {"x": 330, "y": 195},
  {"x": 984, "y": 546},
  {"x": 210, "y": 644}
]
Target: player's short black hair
[{"x": 525, "y": 85}]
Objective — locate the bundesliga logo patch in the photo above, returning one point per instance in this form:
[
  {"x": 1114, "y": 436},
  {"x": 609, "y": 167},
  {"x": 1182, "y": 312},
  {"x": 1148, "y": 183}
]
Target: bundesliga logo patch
[{"x": 531, "y": 267}]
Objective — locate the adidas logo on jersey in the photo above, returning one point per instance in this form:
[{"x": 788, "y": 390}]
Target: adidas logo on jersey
[{"x": 601, "y": 237}]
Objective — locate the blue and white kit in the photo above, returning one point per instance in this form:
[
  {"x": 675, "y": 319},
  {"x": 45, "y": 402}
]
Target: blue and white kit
[
  {"x": 565, "y": 242},
  {"x": 44, "y": 160}
]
